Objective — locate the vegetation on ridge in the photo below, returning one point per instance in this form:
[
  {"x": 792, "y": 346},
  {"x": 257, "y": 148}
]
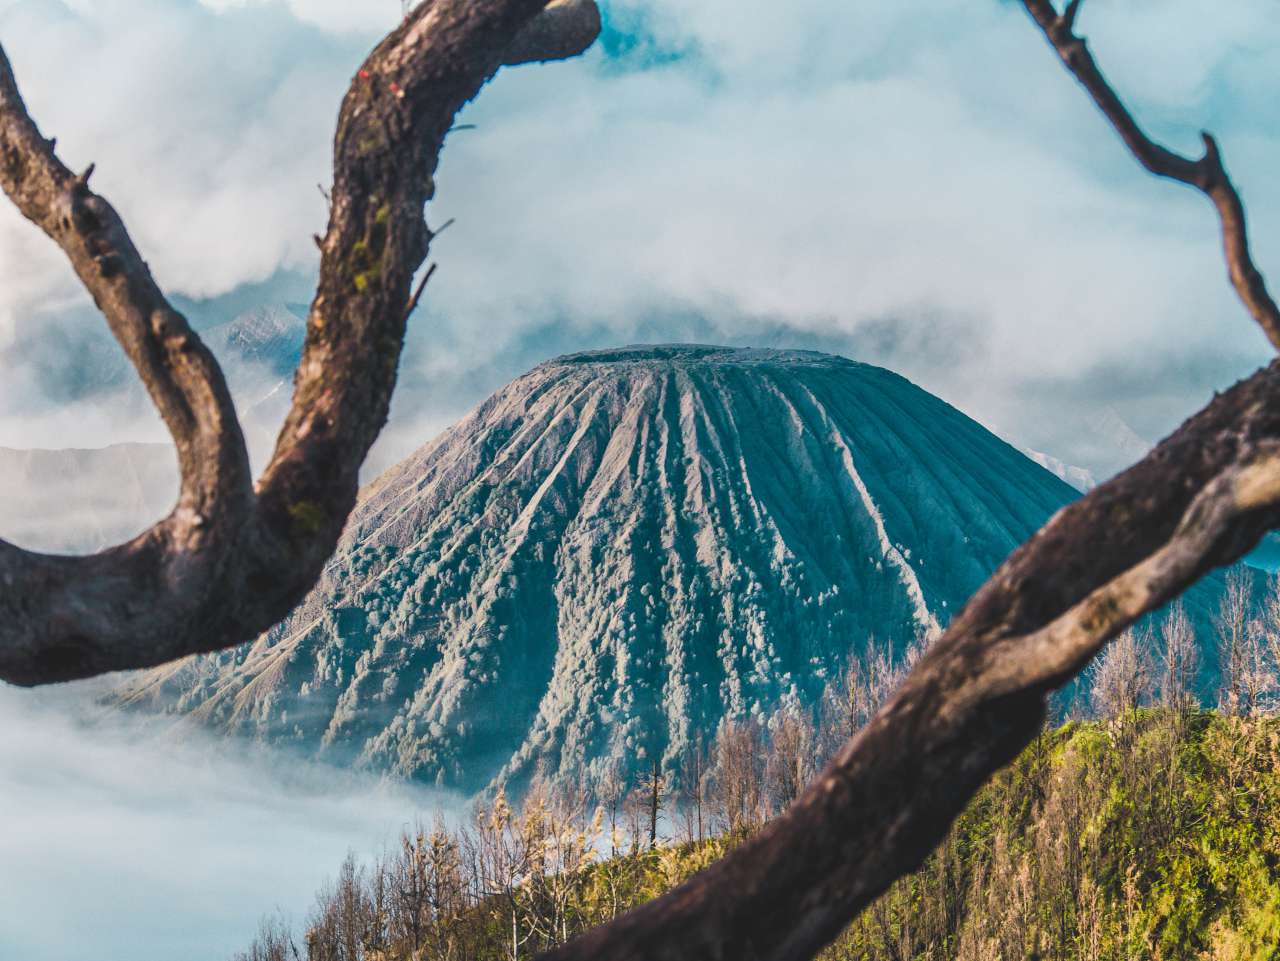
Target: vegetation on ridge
[{"x": 1146, "y": 827}]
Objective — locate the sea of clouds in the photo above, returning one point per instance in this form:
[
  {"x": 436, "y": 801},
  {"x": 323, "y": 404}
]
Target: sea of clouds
[{"x": 121, "y": 838}]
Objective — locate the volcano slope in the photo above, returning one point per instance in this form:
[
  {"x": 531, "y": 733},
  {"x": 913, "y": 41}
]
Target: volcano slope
[{"x": 615, "y": 552}]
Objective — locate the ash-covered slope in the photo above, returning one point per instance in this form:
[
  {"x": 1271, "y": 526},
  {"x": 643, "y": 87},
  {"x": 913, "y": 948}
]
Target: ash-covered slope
[{"x": 616, "y": 551}]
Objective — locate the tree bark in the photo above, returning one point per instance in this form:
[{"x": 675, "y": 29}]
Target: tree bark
[
  {"x": 1202, "y": 498},
  {"x": 232, "y": 560}
]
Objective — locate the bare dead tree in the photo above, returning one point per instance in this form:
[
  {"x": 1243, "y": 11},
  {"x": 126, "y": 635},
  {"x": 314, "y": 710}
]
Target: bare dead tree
[
  {"x": 693, "y": 772},
  {"x": 1232, "y": 625},
  {"x": 655, "y": 789},
  {"x": 789, "y": 758},
  {"x": 1269, "y": 620},
  {"x": 1120, "y": 679},
  {"x": 1258, "y": 677},
  {"x": 274, "y": 942},
  {"x": 234, "y": 557},
  {"x": 1179, "y": 660},
  {"x": 737, "y": 780}
]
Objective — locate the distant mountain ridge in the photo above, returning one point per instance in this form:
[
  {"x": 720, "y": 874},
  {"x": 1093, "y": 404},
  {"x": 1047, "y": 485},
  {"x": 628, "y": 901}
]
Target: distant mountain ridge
[
  {"x": 75, "y": 501},
  {"x": 1078, "y": 477},
  {"x": 259, "y": 351},
  {"x": 616, "y": 552},
  {"x": 79, "y": 501}
]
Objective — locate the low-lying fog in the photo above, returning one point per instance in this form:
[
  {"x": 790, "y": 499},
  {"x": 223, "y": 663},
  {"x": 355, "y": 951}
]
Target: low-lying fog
[{"x": 120, "y": 840}]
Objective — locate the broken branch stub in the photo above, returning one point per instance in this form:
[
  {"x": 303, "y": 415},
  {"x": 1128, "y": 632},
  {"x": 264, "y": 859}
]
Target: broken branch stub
[{"x": 233, "y": 559}]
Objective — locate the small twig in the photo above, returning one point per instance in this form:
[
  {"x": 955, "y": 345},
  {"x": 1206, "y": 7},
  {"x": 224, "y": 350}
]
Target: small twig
[
  {"x": 417, "y": 294},
  {"x": 1208, "y": 175},
  {"x": 422, "y": 284},
  {"x": 1068, "y": 18}
]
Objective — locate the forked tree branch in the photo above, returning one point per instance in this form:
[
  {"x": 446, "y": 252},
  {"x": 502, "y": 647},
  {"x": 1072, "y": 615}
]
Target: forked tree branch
[
  {"x": 230, "y": 561},
  {"x": 1207, "y": 174}
]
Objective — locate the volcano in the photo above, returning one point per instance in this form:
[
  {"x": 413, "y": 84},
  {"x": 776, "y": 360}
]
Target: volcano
[{"x": 617, "y": 551}]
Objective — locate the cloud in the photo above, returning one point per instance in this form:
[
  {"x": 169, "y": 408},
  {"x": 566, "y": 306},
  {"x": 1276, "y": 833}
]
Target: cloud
[
  {"x": 840, "y": 169},
  {"x": 337, "y": 16},
  {"x": 209, "y": 129},
  {"x": 122, "y": 842},
  {"x": 823, "y": 170}
]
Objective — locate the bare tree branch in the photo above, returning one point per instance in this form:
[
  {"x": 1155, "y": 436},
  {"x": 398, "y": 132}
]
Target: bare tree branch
[
  {"x": 181, "y": 375},
  {"x": 231, "y": 560},
  {"x": 1201, "y": 499},
  {"x": 564, "y": 29},
  {"x": 1206, "y": 174}
]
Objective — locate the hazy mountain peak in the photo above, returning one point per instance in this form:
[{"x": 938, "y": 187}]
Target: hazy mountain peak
[
  {"x": 1080, "y": 478},
  {"x": 269, "y": 336}
]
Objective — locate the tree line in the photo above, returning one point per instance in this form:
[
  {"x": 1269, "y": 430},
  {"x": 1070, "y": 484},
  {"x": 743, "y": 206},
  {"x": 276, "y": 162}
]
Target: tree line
[{"x": 1057, "y": 858}]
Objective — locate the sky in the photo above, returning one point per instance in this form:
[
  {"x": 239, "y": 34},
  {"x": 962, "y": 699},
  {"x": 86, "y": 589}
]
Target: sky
[{"x": 917, "y": 185}]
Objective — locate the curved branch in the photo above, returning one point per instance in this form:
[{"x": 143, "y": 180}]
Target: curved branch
[
  {"x": 564, "y": 29},
  {"x": 231, "y": 561},
  {"x": 51, "y": 606},
  {"x": 1202, "y": 498},
  {"x": 1207, "y": 174}
]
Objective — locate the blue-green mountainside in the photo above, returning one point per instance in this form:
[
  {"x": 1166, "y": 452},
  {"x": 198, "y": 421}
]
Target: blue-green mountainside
[{"x": 619, "y": 550}]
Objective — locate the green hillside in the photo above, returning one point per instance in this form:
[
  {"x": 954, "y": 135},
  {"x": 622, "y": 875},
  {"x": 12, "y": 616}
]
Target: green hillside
[{"x": 1152, "y": 834}]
